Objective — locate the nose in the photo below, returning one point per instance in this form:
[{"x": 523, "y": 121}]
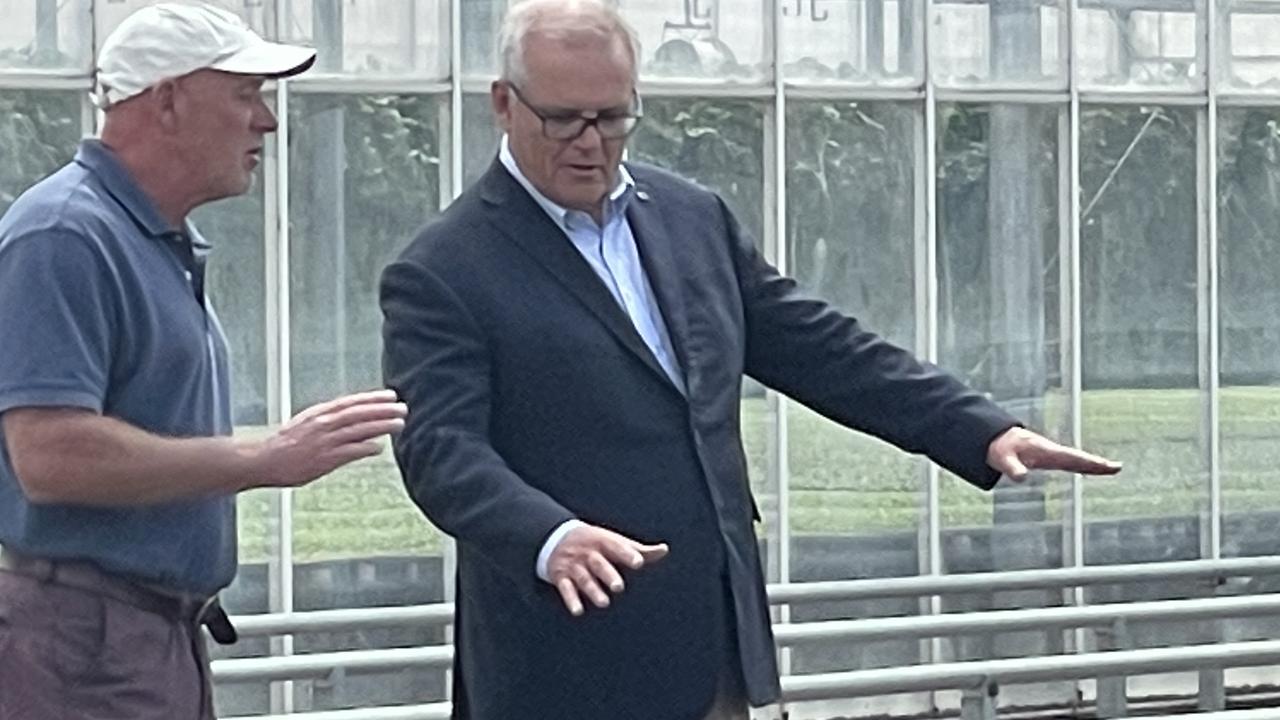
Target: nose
[
  {"x": 264, "y": 119},
  {"x": 589, "y": 139}
]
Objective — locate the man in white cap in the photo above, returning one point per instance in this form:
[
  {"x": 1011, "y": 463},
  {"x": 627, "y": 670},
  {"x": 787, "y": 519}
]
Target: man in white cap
[{"x": 117, "y": 470}]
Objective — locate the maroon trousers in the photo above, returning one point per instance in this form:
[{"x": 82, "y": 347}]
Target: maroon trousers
[{"x": 77, "y": 643}]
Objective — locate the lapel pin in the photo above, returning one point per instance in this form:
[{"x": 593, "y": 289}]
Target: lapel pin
[{"x": 642, "y": 196}]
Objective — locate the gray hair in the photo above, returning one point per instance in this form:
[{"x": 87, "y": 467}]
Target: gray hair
[{"x": 562, "y": 20}]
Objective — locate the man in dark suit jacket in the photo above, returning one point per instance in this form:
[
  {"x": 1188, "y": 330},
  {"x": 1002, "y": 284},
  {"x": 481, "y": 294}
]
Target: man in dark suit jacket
[{"x": 571, "y": 337}]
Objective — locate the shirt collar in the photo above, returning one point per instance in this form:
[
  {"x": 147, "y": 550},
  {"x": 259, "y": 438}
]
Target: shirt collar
[
  {"x": 115, "y": 177},
  {"x": 618, "y": 199}
]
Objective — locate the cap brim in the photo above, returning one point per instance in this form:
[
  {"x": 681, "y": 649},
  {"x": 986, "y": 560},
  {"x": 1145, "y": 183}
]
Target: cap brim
[{"x": 271, "y": 60}]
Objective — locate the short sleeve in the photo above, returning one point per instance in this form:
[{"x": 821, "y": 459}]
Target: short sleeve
[{"x": 56, "y": 322}]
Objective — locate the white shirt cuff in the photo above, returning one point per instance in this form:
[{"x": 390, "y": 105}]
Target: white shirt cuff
[{"x": 553, "y": 540}]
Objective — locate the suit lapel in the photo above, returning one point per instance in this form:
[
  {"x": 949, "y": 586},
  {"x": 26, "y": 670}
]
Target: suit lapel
[
  {"x": 519, "y": 217},
  {"x": 653, "y": 240}
]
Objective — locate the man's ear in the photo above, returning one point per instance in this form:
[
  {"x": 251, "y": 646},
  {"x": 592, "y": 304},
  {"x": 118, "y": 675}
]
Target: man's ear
[
  {"x": 164, "y": 96},
  {"x": 500, "y": 96}
]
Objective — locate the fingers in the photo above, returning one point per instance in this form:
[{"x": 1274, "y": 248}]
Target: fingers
[
  {"x": 1017, "y": 450},
  {"x": 367, "y": 430},
  {"x": 1010, "y": 465},
  {"x": 362, "y": 413},
  {"x": 588, "y": 586},
  {"x": 604, "y": 571},
  {"x": 345, "y": 402},
  {"x": 653, "y": 553},
  {"x": 1078, "y": 461},
  {"x": 632, "y": 554},
  {"x": 587, "y": 561},
  {"x": 569, "y": 596}
]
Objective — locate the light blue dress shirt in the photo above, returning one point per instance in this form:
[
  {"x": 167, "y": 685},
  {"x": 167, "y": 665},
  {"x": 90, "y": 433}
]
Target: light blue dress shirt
[{"x": 611, "y": 252}]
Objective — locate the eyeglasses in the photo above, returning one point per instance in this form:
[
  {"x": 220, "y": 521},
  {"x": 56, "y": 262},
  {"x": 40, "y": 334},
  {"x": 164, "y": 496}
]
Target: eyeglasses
[{"x": 568, "y": 125}]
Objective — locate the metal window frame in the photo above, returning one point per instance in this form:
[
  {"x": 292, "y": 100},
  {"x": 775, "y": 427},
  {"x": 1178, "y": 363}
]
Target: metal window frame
[{"x": 778, "y": 91}]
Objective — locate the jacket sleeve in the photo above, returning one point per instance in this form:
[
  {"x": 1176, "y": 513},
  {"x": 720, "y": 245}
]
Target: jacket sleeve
[
  {"x": 436, "y": 358},
  {"x": 807, "y": 350}
]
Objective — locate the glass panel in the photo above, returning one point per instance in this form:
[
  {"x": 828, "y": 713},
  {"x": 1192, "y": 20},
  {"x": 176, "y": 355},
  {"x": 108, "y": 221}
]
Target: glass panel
[
  {"x": 995, "y": 42},
  {"x": 1121, "y": 42},
  {"x": 366, "y": 176},
  {"x": 46, "y": 34},
  {"x": 38, "y": 134},
  {"x": 712, "y": 39},
  {"x": 107, "y": 15},
  {"x": 480, "y": 22},
  {"x": 851, "y": 230},
  {"x": 869, "y": 41},
  {"x": 480, "y": 135},
  {"x": 237, "y": 275},
  {"x": 718, "y": 143},
  {"x": 1142, "y": 403},
  {"x": 1247, "y": 32},
  {"x": 406, "y": 37},
  {"x": 999, "y": 329},
  {"x": 1249, "y": 406}
]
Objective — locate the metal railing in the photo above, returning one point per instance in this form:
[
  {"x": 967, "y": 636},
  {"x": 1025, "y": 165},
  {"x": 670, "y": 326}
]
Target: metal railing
[
  {"x": 791, "y": 593},
  {"x": 979, "y": 680}
]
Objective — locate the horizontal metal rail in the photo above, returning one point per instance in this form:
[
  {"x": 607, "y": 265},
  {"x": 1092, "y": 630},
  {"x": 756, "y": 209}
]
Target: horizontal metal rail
[
  {"x": 319, "y": 665},
  {"x": 1012, "y": 671},
  {"x": 830, "y": 686},
  {"x": 1255, "y": 714},
  {"x": 790, "y": 634},
  {"x": 430, "y": 711},
  {"x": 923, "y": 585},
  {"x": 345, "y": 619},
  {"x": 791, "y": 593},
  {"x": 1051, "y": 618}
]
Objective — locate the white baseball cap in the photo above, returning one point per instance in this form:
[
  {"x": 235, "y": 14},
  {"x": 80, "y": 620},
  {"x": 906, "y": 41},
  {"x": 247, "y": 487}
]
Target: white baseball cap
[{"x": 169, "y": 40}]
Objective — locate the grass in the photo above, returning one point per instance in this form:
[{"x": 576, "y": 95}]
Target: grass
[{"x": 843, "y": 482}]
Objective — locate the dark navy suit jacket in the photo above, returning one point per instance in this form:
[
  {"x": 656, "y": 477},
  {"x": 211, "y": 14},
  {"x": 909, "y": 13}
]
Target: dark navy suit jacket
[{"x": 532, "y": 400}]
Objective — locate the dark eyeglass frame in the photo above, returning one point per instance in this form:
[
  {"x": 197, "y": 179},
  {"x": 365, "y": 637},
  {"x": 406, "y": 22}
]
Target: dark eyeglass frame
[{"x": 566, "y": 127}]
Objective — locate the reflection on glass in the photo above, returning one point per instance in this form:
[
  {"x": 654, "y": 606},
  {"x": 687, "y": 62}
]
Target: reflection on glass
[
  {"x": 999, "y": 303},
  {"x": 1247, "y": 35},
  {"x": 852, "y": 42},
  {"x": 107, "y": 15},
  {"x": 717, "y": 143},
  {"x": 39, "y": 130},
  {"x": 46, "y": 34},
  {"x": 1142, "y": 403},
  {"x": 997, "y": 42},
  {"x": 1119, "y": 43},
  {"x": 366, "y": 176},
  {"x": 999, "y": 329},
  {"x": 711, "y": 39},
  {"x": 851, "y": 241},
  {"x": 480, "y": 135},
  {"x": 375, "y": 38},
  {"x": 237, "y": 270},
  {"x": 1249, "y": 406},
  {"x": 703, "y": 39}
]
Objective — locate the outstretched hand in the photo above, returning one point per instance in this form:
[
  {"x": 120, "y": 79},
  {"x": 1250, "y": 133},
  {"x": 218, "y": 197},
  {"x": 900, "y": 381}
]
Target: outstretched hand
[
  {"x": 587, "y": 561},
  {"x": 1017, "y": 451}
]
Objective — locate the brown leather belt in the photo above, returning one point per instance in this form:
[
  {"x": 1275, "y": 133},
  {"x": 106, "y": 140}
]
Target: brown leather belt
[{"x": 177, "y": 607}]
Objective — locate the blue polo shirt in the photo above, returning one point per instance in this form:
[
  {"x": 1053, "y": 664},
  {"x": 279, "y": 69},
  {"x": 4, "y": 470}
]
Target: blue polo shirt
[{"x": 98, "y": 311}]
